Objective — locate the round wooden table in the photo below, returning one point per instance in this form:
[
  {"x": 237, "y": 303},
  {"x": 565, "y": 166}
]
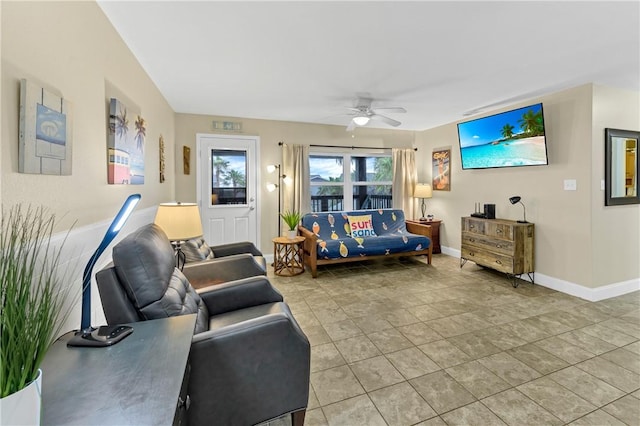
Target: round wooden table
[{"x": 288, "y": 256}]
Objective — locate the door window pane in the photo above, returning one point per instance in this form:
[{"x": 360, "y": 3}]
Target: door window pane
[{"x": 228, "y": 177}]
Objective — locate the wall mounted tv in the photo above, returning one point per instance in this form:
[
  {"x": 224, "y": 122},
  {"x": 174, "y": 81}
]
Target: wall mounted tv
[{"x": 509, "y": 139}]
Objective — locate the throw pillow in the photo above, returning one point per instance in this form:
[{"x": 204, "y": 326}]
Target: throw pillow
[{"x": 361, "y": 226}]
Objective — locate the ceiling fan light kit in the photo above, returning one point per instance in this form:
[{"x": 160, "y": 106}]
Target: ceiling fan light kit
[
  {"x": 362, "y": 113},
  {"x": 361, "y": 120}
]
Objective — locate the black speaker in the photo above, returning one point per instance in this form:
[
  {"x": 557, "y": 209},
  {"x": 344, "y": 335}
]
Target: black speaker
[{"x": 490, "y": 211}]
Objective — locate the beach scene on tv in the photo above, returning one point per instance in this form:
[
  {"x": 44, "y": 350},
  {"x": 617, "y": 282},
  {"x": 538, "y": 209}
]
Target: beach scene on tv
[{"x": 509, "y": 139}]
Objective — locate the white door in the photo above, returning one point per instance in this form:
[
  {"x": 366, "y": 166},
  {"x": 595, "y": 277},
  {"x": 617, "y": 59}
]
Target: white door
[{"x": 227, "y": 168}]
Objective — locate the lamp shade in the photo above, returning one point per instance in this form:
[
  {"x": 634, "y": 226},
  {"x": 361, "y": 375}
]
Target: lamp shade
[
  {"x": 422, "y": 190},
  {"x": 180, "y": 221},
  {"x": 515, "y": 199},
  {"x": 361, "y": 120}
]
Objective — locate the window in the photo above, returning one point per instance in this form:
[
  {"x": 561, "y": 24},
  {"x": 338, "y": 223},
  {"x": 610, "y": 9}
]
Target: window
[
  {"x": 228, "y": 177},
  {"x": 350, "y": 181}
]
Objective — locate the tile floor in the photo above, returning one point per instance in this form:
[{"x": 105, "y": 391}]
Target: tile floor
[{"x": 400, "y": 342}]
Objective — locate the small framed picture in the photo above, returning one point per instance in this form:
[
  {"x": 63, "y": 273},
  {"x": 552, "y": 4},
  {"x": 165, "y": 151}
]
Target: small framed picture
[
  {"x": 441, "y": 162},
  {"x": 186, "y": 159}
]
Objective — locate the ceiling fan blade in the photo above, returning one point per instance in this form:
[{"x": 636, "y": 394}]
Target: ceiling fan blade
[
  {"x": 351, "y": 126},
  {"x": 389, "y": 121},
  {"x": 391, "y": 109}
]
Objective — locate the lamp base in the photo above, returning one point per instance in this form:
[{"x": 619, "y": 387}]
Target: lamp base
[
  {"x": 522, "y": 221},
  {"x": 107, "y": 335}
]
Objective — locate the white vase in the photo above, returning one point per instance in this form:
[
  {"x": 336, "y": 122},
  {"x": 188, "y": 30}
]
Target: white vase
[
  {"x": 23, "y": 407},
  {"x": 292, "y": 234}
]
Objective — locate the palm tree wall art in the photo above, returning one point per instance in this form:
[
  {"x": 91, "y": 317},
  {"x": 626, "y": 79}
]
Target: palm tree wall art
[{"x": 125, "y": 145}]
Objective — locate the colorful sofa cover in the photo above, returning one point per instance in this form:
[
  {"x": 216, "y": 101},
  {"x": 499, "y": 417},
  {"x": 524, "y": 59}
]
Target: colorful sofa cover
[{"x": 331, "y": 237}]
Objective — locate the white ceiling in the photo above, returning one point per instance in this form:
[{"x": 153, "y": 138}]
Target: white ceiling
[{"x": 307, "y": 61}]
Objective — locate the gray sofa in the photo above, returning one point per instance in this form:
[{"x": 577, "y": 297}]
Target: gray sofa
[{"x": 250, "y": 361}]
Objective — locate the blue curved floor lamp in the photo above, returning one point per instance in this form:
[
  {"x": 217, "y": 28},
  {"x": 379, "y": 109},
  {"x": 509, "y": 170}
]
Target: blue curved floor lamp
[{"x": 105, "y": 335}]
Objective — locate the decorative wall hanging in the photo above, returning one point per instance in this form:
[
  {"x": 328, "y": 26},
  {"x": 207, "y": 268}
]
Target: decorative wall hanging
[
  {"x": 186, "y": 159},
  {"x": 230, "y": 126},
  {"x": 441, "y": 161},
  {"x": 125, "y": 145},
  {"x": 45, "y": 131},
  {"x": 161, "y": 166}
]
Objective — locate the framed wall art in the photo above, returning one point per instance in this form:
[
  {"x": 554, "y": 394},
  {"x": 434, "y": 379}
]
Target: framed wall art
[
  {"x": 127, "y": 132},
  {"x": 186, "y": 159},
  {"x": 45, "y": 144},
  {"x": 161, "y": 156},
  {"x": 441, "y": 163}
]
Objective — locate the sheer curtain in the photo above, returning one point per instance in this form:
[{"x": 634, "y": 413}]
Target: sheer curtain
[
  {"x": 405, "y": 177},
  {"x": 295, "y": 166}
]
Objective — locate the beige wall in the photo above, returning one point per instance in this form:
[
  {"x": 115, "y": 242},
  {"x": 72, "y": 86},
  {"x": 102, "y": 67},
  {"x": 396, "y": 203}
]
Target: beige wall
[
  {"x": 270, "y": 133},
  {"x": 571, "y": 226},
  {"x": 71, "y": 48},
  {"x": 615, "y": 229}
]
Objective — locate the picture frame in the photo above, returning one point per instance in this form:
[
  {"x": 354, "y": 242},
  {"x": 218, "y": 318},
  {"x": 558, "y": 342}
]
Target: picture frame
[
  {"x": 161, "y": 158},
  {"x": 441, "y": 164},
  {"x": 125, "y": 145},
  {"x": 46, "y": 130},
  {"x": 186, "y": 159}
]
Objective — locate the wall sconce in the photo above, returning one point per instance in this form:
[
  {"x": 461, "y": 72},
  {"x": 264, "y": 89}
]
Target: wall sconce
[
  {"x": 423, "y": 190},
  {"x": 515, "y": 200}
]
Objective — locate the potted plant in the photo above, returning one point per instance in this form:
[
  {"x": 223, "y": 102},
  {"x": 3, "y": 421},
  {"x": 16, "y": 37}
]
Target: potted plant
[
  {"x": 292, "y": 219},
  {"x": 34, "y": 304}
]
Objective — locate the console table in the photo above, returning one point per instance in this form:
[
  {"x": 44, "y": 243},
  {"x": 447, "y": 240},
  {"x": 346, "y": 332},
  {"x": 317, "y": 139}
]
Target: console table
[
  {"x": 140, "y": 380},
  {"x": 503, "y": 245},
  {"x": 435, "y": 231}
]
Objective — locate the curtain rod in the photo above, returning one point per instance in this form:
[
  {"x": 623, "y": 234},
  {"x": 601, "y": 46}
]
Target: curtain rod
[{"x": 340, "y": 146}]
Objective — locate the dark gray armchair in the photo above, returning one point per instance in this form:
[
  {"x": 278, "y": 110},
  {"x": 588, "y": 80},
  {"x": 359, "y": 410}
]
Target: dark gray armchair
[
  {"x": 249, "y": 359},
  {"x": 197, "y": 250}
]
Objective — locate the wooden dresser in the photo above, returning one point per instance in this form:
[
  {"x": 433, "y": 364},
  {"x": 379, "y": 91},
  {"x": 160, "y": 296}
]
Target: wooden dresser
[{"x": 504, "y": 245}]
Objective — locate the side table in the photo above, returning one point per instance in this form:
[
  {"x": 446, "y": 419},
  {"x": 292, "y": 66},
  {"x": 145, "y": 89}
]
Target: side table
[
  {"x": 435, "y": 231},
  {"x": 288, "y": 256}
]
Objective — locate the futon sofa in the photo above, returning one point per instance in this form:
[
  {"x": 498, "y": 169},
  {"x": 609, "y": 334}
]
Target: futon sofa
[{"x": 337, "y": 237}]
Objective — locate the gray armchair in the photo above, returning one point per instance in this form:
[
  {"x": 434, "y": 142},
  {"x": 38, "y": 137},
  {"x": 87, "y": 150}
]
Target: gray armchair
[
  {"x": 250, "y": 360},
  {"x": 197, "y": 250}
]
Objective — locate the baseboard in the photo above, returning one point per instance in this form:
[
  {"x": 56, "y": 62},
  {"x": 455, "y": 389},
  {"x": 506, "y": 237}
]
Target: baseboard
[
  {"x": 587, "y": 293},
  {"x": 268, "y": 258},
  {"x": 590, "y": 294},
  {"x": 450, "y": 251}
]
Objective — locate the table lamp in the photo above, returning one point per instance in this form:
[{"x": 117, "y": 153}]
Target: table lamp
[
  {"x": 181, "y": 222},
  {"x": 104, "y": 335},
  {"x": 516, "y": 199},
  {"x": 423, "y": 190}
]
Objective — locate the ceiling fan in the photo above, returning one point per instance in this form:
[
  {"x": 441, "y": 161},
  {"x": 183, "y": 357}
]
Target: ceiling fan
[{"x": 362, "y": 113}]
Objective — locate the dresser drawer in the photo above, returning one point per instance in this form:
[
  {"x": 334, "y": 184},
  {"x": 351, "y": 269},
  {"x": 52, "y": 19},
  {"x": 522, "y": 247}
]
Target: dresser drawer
[
  {"x": 470, "y": 224},
  {"x": 499, "y": 230},
  {"x": 492, "y": 260},
  {"x": 488, "y": 243}
]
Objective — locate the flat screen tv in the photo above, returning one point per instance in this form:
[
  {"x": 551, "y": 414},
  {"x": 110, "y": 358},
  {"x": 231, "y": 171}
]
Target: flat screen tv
[{"x": 509, "y": 139}]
